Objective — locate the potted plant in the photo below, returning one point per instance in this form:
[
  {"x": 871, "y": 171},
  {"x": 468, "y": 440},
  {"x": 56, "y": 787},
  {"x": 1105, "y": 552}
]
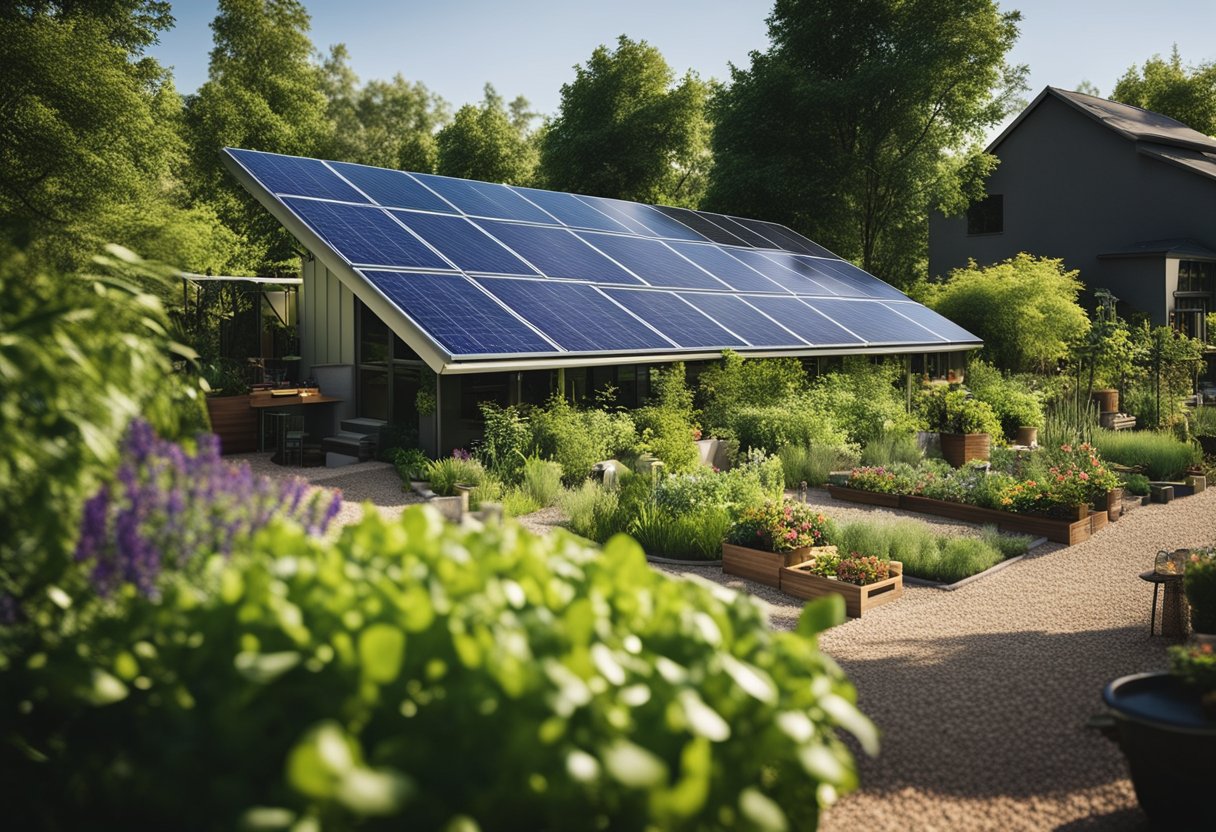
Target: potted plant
[
  {"x": 966, "y": 426},
  {"x": 768, "y": 537},
  {"x": 1199, "y": 584}
]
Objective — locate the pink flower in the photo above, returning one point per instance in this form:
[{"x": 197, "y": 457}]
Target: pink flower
[{"x": 1084, "y": 475}]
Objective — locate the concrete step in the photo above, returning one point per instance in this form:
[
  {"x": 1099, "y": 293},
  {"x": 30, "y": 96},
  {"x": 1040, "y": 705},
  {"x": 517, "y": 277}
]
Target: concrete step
[
  {"x": 353, "y": 444},
  {"x": 367, "y": 427}
]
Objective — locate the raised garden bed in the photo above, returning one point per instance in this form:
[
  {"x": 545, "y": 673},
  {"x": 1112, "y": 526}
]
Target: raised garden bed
[
  {"x": 1059, "y": 531},
  {"x": 758, "y": 565},
  {"x": 797, "y": 580},
  {"x": 234, "y": 422}
]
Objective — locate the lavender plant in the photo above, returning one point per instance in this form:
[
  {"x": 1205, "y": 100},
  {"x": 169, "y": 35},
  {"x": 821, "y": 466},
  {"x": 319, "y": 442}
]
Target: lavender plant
[{"x": 169, "y": 508}]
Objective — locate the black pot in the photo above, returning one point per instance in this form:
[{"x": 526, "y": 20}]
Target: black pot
[{"x": 1170, "y": 745}]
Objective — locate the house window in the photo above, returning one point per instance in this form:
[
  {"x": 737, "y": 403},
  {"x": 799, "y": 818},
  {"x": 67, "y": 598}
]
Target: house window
[
  {"x": 1194, "y": 276},
  {"x": 1193, "y": 299},
  {"x": 987, "y": 216},
  {"x": 389, "y": 373}
]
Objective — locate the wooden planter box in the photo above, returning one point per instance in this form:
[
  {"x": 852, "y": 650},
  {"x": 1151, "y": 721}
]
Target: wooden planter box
[
  {"x": 235, "y": 422},
  {"x": 1107, "y": 400},
  {"x": 797, "y": 581},
  {"x": 858, "y": 495},
  {"x": 1060, "y": 531},
  {"x": 960, "y": 448},
  {"x": 758, "y": 565}
]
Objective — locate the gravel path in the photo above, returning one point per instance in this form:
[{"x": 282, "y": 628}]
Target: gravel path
[{"x": 982, "y": 693}]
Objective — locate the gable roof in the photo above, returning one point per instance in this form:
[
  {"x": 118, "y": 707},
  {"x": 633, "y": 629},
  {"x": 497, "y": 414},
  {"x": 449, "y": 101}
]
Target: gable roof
[{"x": 1134, "y": 123}]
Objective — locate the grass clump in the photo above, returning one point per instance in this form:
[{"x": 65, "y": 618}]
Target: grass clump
[
  {"x": 889, "y": 449},
  {"x": 813, "y": 463},
  {"x": 681, "y": 536},
  {"x": 927, "y": 555},
  {"x": 542, "y": 481},
  {"x": 444, "y": 474},
  {"x": 516, "y": 503},
  {"x": 1136, "y": 484},
  {"x": 1159, "y": 455},
  {"x": 592, "y": 511}
]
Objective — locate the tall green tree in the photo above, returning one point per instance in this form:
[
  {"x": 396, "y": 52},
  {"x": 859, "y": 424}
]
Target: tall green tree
[
  {"x": 91, "y": 146},
  {"x": 627, "y": 128},
  {"x": 1187, "y": 94},
  {"x": 388, "y": 124},
  {"x": 264, "y": 92},
  {"x": 488, "y": 142},
  {"x": 861, "y": 116}
]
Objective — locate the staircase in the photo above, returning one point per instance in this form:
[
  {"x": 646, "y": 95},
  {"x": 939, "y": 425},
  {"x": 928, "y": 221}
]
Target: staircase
[{"x": 357, "y": 440}]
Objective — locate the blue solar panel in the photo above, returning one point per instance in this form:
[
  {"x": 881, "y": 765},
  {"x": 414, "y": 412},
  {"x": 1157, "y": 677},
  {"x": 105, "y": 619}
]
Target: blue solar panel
[
  {"x": 570, "y": 209},
  {"x": 365, "y": 235},
  {"x": 392, "y": 188},
  {"x": 732, "y": 225},
  {"x": 866, "y": 284},
  {"x": 652, "y": 261},
  {"x": 675, "y": 318},
  {"x": 787, "y": 279},
  {"x": 784, "y": 237},
  {"x": 743, "y": 320},
  {"x": 558, "y": 253},
  {"x": 295, "y": 176},
  {"x": 484, "y": 199},
  {"x": 575, "y": 315},
  {"x": 726, "y": 268},
  {"x": 457, "y": 314},
  {"x": 804, "y": 322},
  {"x": 701, "y": 224},
  {"x": 609, "y": 207},
  {"x": 464, "y": 244},
  {"x": 936, "y": 323},
  {"x": 658, "y": 222},
  {"x": 873, "y": 322},
  {"x": 824, "y": 283}
]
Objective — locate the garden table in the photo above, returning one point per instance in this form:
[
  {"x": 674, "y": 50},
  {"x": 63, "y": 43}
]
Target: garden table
[{"x": 1173, "y": 607}]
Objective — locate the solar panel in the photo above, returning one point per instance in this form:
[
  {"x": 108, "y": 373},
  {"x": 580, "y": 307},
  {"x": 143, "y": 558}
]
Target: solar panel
[
  {"x": 873, "y": 322},
  {"x": 457, "y": 314},
  {"x": 784, "y": 237},
  {"x": 807, "y": 324},
  {"x": 657, "y": 222},
  {"x": 484, "y": 199},
  {"x": 652, "y": 261},
  {"x": 810, "y": 267},
  {"x": 729, "y": 270},
  {"x": 938, "y": 324},
  {"x": 392, "y": 188},
  {"x": 700, "y": 223},
  {"x": 570, "y": 210},
  {"x": 609, "y": 207},
  {"x": 865, "y": 283},
  {"x": 464, "y": 244},
  {"x": 787, "y": 279},
  {"x": 743, "y": 232},
  {"x": 675, "y": 318},
  {"x": 575, "y": 315},
  {"x": 365, "y": 235},
  {"x": 743, "y": 320},
  {"x": 296, "y": 176},
  {"x": 558, "y": 253}
]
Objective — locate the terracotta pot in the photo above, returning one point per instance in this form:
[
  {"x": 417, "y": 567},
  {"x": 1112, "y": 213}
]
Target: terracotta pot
[
  {"x": 1028, "y": 437},
  {"x": 1108, "y": 400},
  {"x": 960, "y": 448}
]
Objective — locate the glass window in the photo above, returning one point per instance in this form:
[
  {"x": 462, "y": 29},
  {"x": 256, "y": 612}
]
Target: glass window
[
  {"x": 373, "y": 393},
  {"x": 1190, "y": 317},
  {"x": 373, "y": 338},
  {"x": 987, "y": 216},
  {"x": 1195, "y": 276},
  {"x": 483, "y": 387}
]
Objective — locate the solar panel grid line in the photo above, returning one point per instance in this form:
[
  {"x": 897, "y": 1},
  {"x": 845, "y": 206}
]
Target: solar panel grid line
[
  {"x": 617, "y": 216},
  {"x": 637, "y": 318},
  {"x": 616, "y": 262},
  {"x": 695, "y": 264},
  {"x": 420, "y": 238},
  {"x": 345, "y": 170},
  {"x": 769, "y": 256},
  {"x": 711, "y": 318},
  {"x": 873, "y": 321},
  {"x": 833, "y": 320},
  {"x": 743, "y": 232},
  {"x": 686, "y": 214},
  {"x": 338, "y": 174},
  {"x": 916, "y": 312},
  {"x": 496, "y": 301},
  {"x": 816, "y": 330},
  {"x": 893, "y": 308},
  {"x": 688, "y": 326},
  {"x": 775, "y": 321},
  {"x": 458, "y": 230},
  {"x": 324, "y": 233}
]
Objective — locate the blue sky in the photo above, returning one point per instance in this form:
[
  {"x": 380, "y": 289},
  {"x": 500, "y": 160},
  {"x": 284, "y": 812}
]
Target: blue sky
[{"x": 528, "y": 47}]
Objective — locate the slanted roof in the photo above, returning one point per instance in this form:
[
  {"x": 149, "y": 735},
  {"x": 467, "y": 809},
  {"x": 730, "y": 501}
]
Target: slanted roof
[
  {"x": 477, "y": 276},
  {"x": 1180, "y": 248},
  {"x": 1133, "y": 123}
]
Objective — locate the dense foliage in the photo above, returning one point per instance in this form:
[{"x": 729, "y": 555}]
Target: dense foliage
[
  {"x": 781, "y": 526},
  {"x": 1159, "y": 455},
  {"x": 488, "y": 143},
  {"x": 1199, "y": 582},
  {"x": 1187, "y": 94},
  {"x": 927, "y": 555}
]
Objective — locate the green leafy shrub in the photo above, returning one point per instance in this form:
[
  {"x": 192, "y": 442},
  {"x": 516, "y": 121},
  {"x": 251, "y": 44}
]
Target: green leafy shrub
[
  {"x": 781, "y": 527},
  {"x": 1205, "y": 420},
  {"x": 444, "y": 474},
  {"x": 1199, "y": 583},
  {"x": 950, "y": 411},
  {"x": 411, "y": 464},
  {"x": 516, "y": 502},
  {"x": 891, "y": 449},
  {"x": 1013, "y": 402},
  {"x": 396, "y": 436},
  {"x": 323, "y": 684},
  {"x": 592, "y": 511},
  {"x": 812, "y": 465},
  {"x": 666, "y": 425},
  {"x": 739, "y": 384},
  {"x": 708, "y": 490},
  {"x": 489, "y": 490},
  {"x": 769, "y": 470},
  {"x": 506, "y": 441},
  {"x": 1137, "y": 484},
  {"x": 1159, "y": 455},
  {"x": 578, "y": 438},
  {"x": 542, "y": 481},
  {"x": 897, "y": 479},
  {"x": 865, "y": 400}
]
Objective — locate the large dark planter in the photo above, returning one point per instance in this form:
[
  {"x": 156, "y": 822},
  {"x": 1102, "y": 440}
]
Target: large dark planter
[
  {"x": 1208, "y": 444},
  {"x": 960, "y": 448},
  {"x": 1107, "y": 400},
  {"x": 1170, "y": 745},
  {"x": 235, "y": 422}
]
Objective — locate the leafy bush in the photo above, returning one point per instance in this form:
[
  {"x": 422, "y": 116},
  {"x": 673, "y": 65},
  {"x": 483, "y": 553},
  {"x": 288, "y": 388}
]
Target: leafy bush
[
  {"x": 951, "y": 411},
  {"x": 444, "y": 474},
  {"x": 542, "y": 481},
  {"x": 1194, "y": 664},
  {"x": 576, "y": 439},
  {"x": 731, "y": 491},
  {"x": 862, "y": 570},
  {"x": 323, "y": 683},
  {"x": 1013, "y": 402},
  {"x": 516, "y": 502},
  {"x": 774, "y": 426},
  {"x": 592, "y": 511},
  {"x": 397, "y": 436},
  {"x": 739, "y": 384},
  {"x": 411, "y": 464},
  {"x": 1205, "y": 420},
  {"x": 768, "y": 469},
  {"x": 898, "y": 479},
  {"x": 1137, "y": 484},
  {"x": 781, "y": 527},
  {"x": 890, "y": 449},
  {"x": 1159, "y": 455},
  {"x": 506, "y": 441},
  {"x": 865, "y": 400},
  {"x": 812, "y": 465},
  {"x": 666, "y": 425},
  {"x": 1199, "y": 583},
  {"x": 169, "y": 509}
]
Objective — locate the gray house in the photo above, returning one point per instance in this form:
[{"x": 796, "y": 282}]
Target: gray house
[{"x": 1125, "y": 195}]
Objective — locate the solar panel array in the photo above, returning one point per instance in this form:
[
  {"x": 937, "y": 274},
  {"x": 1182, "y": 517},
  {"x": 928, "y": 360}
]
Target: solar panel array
[{"x": 496, "y": 271}]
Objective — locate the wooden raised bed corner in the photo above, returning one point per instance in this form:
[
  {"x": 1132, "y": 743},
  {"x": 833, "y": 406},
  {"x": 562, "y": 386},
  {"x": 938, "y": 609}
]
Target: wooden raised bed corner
[
  {"x": 797, "y": 580},
  {"x": 858, "y": 495},
  {"x": 758, "y": 565}
]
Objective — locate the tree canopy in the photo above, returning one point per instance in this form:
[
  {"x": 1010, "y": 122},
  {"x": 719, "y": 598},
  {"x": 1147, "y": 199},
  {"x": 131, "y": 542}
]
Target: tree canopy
[
  {"x": 1169, "y": 88},
  {"x": 860, "y": 117},
  {"x": 628, "y": 129},
  {"x": 1025, "y": 309},
  {"x": 488, "y": 142}
]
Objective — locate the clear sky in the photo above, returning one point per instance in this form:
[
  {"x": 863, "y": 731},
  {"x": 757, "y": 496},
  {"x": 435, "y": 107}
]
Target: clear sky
[{"x": 528, "y": 47}]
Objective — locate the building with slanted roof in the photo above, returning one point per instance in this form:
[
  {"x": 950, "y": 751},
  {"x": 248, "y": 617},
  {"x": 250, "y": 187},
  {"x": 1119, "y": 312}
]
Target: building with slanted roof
[{"x": 1125, "y": 195}]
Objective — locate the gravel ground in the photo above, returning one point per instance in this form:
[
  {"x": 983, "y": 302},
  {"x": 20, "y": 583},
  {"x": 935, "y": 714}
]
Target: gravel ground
[{"x": 981, "y": 694}]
